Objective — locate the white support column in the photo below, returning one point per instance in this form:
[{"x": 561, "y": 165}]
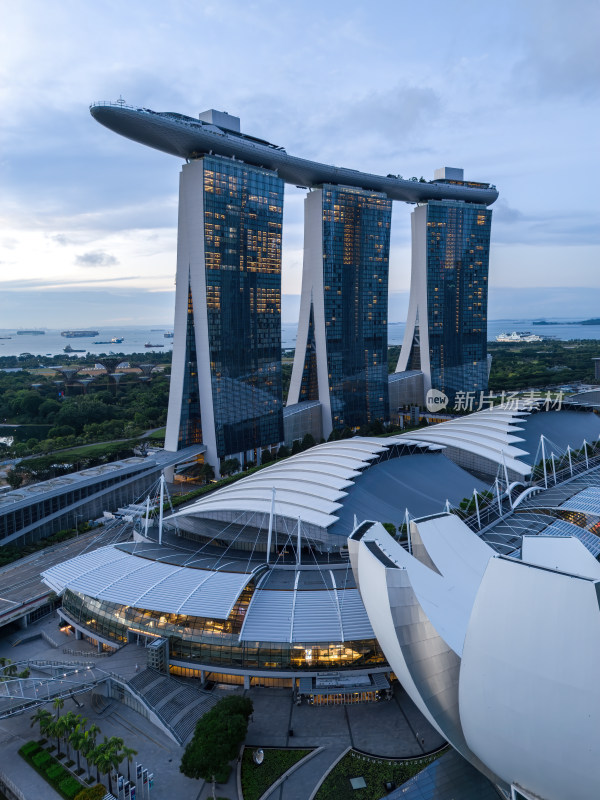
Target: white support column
[
  {"x": 147, "y": 516},
  {"x": 477, "y": 508},
  {"x": 160, "y": 510},
  {"x": 498, "y": 497},
  {"x": 270, "y": 533},
  {"x": 553, "y": 467},
  {"x": 587, "y": 463},
  {"x": 299, "y": 545},
  {"x": 417, "y": 307},
  {"x": 570, "y": 460},
  {"x": 407, "y": 523},
  {"x": 544, "y": 461}
]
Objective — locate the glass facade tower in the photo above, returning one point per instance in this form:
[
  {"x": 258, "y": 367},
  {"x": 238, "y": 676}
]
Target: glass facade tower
[
  {"x": 341, "y": 352},
  {"x": 446, "y": 332},
  {"x": 226, "y": 377}
]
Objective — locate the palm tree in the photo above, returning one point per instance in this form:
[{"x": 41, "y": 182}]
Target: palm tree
[
  {"x": 58, "y": 704},
  {"x": 69, "y": 722},
  {"x": 104, "y": 760},
  {"x": 53, "y": 730},
  {"x": 128, "y": 753},
  {"x": 41, "y": 717},
  {"x": 77, "y": 739},
  {"x": 89, "y": 744}
]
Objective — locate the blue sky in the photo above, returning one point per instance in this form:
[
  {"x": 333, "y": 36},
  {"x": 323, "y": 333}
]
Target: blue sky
[{"x": 509, "y": 91}]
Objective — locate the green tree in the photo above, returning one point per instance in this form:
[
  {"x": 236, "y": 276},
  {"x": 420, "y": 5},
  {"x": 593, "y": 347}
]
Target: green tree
[
  {"x": 14, "y": 478},
  {"x": 128, "y": 753},
  {"x": 89, "y": 744},
  {"x": 77, "y": 739},
  {"x": 58, "y": 704},
  {"x": 104, "y": 757},
  {"x": 68, "y": 723},
  {"x": 216, "y": 741},
  {"x": 43, "y": 718},
  {"x": 308, "y": 440},
  {"x": 283, "y": 452},
  {"x": 229, "y": 466}
]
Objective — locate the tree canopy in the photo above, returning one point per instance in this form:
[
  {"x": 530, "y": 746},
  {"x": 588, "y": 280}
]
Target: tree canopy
[{"x": 217, "y": 739}]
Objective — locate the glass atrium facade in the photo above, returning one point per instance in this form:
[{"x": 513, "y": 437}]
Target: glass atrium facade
[
  {"x": 243, "y": 212},
  {"x": 356, "y": 245},
  {"x": 458, "y": 251},
  {"x": 190, "y": 426},
  {"x": 214, "y": 642}
]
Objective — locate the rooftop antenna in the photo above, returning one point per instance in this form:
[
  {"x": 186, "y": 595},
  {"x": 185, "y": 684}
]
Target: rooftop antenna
[
  {"x": 270, "y": 534},
  {"x": 160, "y": 512},
  {"x": 120, "y": 101}
]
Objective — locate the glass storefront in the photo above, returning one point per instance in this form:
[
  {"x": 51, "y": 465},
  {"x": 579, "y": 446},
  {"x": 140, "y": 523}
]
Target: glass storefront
[{"x": 216, "y": 642}]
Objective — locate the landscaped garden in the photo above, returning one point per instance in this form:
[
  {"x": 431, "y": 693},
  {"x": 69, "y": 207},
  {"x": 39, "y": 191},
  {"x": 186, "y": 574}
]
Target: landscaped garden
[
  {"x": 69, "y": 734},
  {"x": 377, "y": 772},
  {"x": 256, "y": 778}
]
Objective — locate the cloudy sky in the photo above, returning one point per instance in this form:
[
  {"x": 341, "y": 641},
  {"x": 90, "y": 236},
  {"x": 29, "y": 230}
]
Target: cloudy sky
[{"x": 507, "y": 90}]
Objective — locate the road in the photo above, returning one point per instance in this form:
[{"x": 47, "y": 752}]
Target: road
[{"x": 21, "y": 588}]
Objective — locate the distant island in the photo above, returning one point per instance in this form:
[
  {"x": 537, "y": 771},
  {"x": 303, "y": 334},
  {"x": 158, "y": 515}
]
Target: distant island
[{"x": 594, "y": 321}]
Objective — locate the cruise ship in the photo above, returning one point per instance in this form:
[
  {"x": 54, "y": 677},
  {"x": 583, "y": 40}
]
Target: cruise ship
[{"x": 516, "y": 337}]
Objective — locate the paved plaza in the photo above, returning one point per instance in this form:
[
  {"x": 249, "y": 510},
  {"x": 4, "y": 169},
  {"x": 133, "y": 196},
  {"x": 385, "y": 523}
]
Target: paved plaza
[{"x": 390, "y": 729}]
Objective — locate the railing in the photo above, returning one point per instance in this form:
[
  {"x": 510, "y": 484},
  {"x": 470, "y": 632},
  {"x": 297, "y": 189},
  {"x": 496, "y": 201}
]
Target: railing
[
  {"x": 140, "y": 697},
  {"x": 113, "y": 103},
  {"x": 10, "y": 788}
]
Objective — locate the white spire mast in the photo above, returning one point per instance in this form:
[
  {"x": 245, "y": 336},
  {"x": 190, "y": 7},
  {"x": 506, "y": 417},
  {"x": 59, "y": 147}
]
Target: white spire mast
[{"x": 270, "y": 534}]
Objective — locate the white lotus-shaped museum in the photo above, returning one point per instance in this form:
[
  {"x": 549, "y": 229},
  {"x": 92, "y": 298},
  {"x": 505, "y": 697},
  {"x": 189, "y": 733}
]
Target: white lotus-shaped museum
[{"x": 500, "y": 654}]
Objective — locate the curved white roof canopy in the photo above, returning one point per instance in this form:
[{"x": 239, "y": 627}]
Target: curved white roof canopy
[
  {"x": 327, "y": 615},
  {"x": 118, "y": 577},
  {"x": 310, "y": 485},
  {"x": 488, "y": 434}
]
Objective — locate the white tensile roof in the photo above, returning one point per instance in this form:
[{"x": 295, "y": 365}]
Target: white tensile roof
[
  {"x": 116, "y": 576},
  {"x": 312, "y": 485}
]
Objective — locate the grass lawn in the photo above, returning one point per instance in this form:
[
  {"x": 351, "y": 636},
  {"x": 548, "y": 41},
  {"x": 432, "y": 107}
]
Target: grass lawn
[
  {"x": 158, "y": 435},
  {"x": 94, "y": 450},
  {"x": 376, "y": 772},
  {"x": 256, "y": 779}
]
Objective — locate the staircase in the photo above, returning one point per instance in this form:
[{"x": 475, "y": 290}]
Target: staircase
[{"x": 177, "y": 704}]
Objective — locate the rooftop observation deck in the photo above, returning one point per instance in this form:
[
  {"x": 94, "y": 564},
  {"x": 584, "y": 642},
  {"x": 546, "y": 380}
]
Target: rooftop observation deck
[{"x": 189, "y": 138}]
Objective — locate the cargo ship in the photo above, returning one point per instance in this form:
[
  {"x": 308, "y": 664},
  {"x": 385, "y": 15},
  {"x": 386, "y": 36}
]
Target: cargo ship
[
  {"x": 31, "y": 333},
  {"x": 78, "y": 334}
]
